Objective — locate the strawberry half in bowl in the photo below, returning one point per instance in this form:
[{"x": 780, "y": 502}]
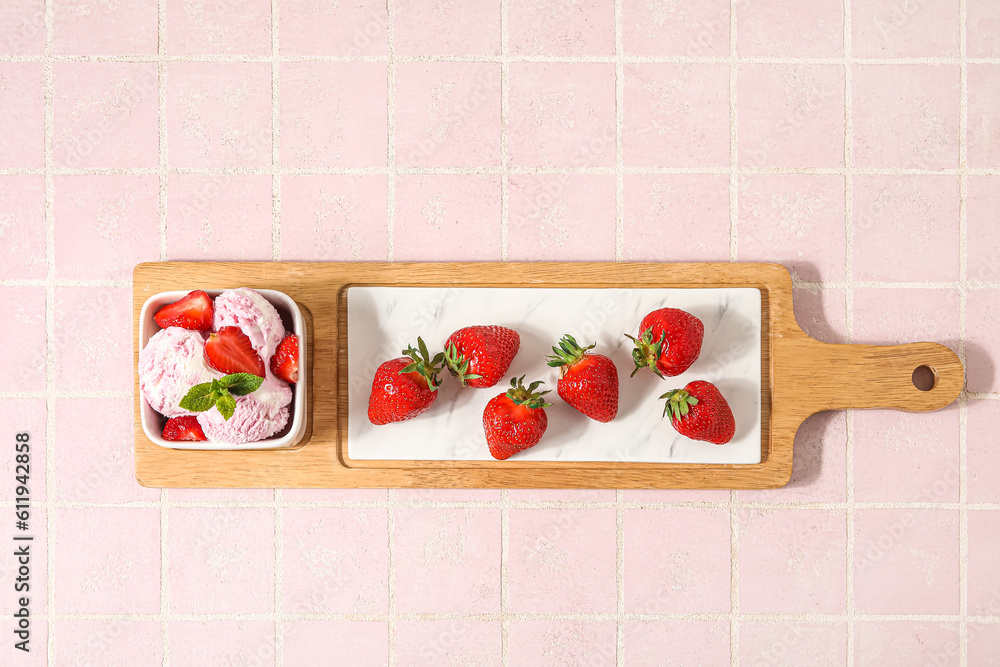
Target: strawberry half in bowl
[{"x": 153, "y": 418}]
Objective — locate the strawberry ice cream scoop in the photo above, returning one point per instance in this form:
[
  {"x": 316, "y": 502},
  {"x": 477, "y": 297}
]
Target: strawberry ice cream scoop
[
  {"x": 172, "y": 362},
  {"x": 254, "y": 315},
  {"x": 258, "y": 416}
]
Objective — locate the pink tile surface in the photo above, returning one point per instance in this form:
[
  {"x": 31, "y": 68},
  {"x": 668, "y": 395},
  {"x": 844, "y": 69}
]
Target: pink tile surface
[
  {"x": 17, "y": 416},
  {"x": 219, "y": 216},
  {"x": 982, "y": 453},
  {"x": 221, "y": 643},
  {"x": 443, "y": 642},
  {"x": 556, "y": 28},
  {"x": 562, "y": 114},
  {"x": 21, "y": 102},
  {"x": 678, "y": 29},
  {"x": 906, "y": 460},
  {"x": 333, "y": 218},
  {"x": 104, "y": 560},
  {"x": 793, "y": 115},
  {"x": 480, "y": 131},
  {"x": 22, "y": 227},
  {"x": 562, "y": 561},
  {"x": 697, "y": 206},
  {"x": 216, "y": 563},
  {"x": 446, "y": 114},
  {"x": 116, "y": 641},
  {"x": 22, "y": 27},
  {"x": 105, "y": 225},
  {"x": 561, "y": 216},
  {"x": 335, "y": 561},
  {"x": 446, "y": 28},
  {"x": 684, "y": 643},
  {"x": 361, "y": 643},
  {"x": 448, "y": 560},
  {"x": 207, "y": 27},
  {"x": 105, "y": 28},
  {"x": 105, "y": 114},
  {"x": 219, "y": 114},
  {"x": 906, "y": 227},
  {"x": 906, "y": 643},
  {"x": 793, "y": 644},
  {"x": 93, "y": 452},
  {"x": 351, "y": 29},
  {"x": 562, "y": 642},
  {"x": 93, "y": 343},
  {"x": 675, "y": 115},
  {"x": 795, "y": 220},
  {"x": 984, "y": 580},
  {"x": 780, "y": 28},
  {"x": 36, "y": 580},
  {"x": 906, "y": 561},
  {"x": 325, "y": 123},
  {"x": 905, "y": 116},
  {"x": 790, "y": 561},
  {"x": 24, "y": 371},
  {"x": 673, "y": 559},
  {"x": 447, "y": 217},
  {"x": 983, "y": 136},
  {"x": 885, "y": 29}
]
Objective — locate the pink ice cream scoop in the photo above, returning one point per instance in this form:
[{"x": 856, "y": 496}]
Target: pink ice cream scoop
[
  {"x": 254, "y": 315},
  {"x": 172, "y": 362},
  {"x": 258, "y": 416}
]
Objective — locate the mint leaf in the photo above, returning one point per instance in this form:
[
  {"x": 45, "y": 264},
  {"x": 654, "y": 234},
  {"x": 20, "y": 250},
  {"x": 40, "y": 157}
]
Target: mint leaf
[
  {"x": 241, "y": 384},
  {"x": 226, "y": 406},
  {"x": 199, "y": 398}
]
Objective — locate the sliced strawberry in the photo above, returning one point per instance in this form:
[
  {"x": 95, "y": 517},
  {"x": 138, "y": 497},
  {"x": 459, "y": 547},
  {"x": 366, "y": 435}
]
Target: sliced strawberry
[
  {"x": 229, "y": 350},
  {"x": 285, "y": 362},
  {"x": 194, "y": 311},
  {"x": 183, "y": 428}
]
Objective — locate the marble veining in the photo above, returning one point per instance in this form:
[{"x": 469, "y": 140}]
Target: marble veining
[{"x": 384, "y": 320}]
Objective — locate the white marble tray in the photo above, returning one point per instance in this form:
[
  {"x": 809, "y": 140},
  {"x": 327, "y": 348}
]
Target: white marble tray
[{"x": 383, "y": 320}]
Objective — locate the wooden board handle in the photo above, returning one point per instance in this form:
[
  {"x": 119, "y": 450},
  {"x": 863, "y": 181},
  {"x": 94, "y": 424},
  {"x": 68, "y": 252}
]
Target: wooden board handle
[{"x": 882, "y": 376}]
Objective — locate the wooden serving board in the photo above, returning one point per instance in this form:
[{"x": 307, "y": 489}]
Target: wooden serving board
[{"x": 800, "y": 376}]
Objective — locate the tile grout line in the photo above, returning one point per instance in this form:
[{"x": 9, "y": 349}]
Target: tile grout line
[
  {"x": 50, "y": 327},
  {"x": 276, "y": 256},
  {"x": 504, "y": 588},
  {"x": 849, "y": 321},
  {"x": 391, "y": 583},
  {"x": 453, "y": 58},
  {"x": 619, "y": 124},
  {"x": 619, "y": 256},
  {"x": 504, "y": 148},
  {"x": 963, "y": 399},
  {"x": 733, "y": 149},
  {"x": 620, "y": 577},
  {"x": 734, "y": 574},
  {"x": 163, "y": 170},
  {"x": 391, "y": 168}
]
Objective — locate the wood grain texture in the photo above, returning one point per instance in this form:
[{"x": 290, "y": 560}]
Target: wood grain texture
[{"x": 801, "y": 376}]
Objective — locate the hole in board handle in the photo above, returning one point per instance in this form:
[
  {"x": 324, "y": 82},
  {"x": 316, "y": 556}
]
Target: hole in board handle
[{"x": 924, "y": 378}]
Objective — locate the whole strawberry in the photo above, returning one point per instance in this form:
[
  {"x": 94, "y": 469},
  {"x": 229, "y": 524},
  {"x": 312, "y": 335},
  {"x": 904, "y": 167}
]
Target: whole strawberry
[
  {"x": 516, "y": 420},
  {"x": 479, "y": 356},
  {"x": 588, "y": 382},
  {"x": 404, "y": 387},
  {"x": 669, "y": 342},
  {"x": 700, "y": 412}
]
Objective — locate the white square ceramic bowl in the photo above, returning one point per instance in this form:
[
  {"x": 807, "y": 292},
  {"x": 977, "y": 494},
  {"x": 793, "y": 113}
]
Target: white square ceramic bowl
[{"x": 153, "y": 421}]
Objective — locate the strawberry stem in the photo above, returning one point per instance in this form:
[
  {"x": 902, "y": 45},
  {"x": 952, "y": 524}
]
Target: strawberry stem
[
  {"x": 458, "y": 365},
  {"x": 568, "y": 353},
  {"x": 423, "y": 364},
  {"x": 679, "y": 403},
  {"x": 647, "y": 351},
  {"x": 527, "y": 396}
]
